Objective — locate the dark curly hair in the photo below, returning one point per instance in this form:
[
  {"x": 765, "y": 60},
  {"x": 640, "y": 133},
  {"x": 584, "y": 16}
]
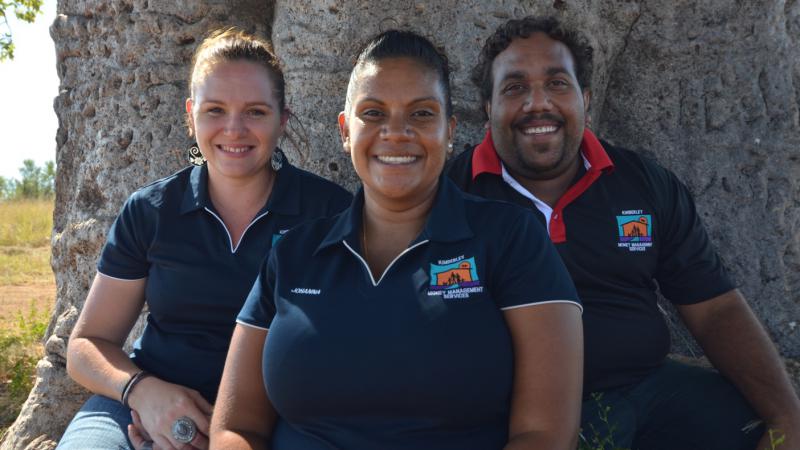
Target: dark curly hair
[{"x": 575, "y": 41}]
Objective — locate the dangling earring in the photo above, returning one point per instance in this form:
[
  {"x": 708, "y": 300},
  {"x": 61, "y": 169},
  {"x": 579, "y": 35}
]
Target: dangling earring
[
  {"x": 196, "y": 157},
  {"x": 276, "y": 161}
]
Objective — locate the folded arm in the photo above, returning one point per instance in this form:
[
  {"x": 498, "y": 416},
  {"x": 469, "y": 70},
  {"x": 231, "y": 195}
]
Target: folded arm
[{"x": 96, "y": 360}]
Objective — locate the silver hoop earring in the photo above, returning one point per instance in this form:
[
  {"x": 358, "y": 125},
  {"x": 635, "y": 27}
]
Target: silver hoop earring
[
  {"x": 196, "y": 157},
  {"x": 276, "y": 161}
]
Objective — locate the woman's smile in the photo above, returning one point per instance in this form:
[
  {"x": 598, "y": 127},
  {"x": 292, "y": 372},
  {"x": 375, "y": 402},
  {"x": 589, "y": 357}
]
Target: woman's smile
[
  {"x": 397, "y": 130},
  {"x": 393, "y": 160}
]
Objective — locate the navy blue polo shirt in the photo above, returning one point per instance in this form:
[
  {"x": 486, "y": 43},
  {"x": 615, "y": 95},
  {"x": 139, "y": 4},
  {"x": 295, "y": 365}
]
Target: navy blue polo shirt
[
  {"x": 624, "y": 224},
  {"x": 170, "y": 233},
  {"x": 419, "y": 358}
]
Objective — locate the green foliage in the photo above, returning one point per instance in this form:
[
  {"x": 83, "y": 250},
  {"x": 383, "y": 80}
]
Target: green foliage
[
  {"x": 20, "y": 348},
  {"x": 35, "y": 182},
  {"x": 776, "y": 439},
  {"x": 25, "y": 10},
  {"x": 593, "y": 439},
  {"x": 25, "y": 228}
]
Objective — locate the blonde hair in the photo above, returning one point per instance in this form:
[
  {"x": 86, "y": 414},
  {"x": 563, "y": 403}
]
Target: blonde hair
[{"x": 233, "y": 44}]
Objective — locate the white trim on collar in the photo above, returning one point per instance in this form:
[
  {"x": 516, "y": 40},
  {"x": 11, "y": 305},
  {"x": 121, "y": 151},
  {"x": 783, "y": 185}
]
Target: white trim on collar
[{"x": 543, "y": 207}]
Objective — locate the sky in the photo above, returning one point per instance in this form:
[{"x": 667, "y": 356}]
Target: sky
[{"x": 28, "y": 86}]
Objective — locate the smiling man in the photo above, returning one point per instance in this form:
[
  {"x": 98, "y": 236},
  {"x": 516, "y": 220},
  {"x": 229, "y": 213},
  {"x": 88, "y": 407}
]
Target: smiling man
[{"x": 621, "y": 223}]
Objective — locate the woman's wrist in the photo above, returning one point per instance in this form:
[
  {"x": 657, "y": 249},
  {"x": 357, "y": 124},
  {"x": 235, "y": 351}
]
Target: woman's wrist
[{"x": 131, "y": 385}]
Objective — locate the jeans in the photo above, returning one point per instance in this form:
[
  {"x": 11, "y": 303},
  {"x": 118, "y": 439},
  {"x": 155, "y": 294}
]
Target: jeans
[
  {"x": 676, "y": 407},
  {"x": 101, "y": 423}
]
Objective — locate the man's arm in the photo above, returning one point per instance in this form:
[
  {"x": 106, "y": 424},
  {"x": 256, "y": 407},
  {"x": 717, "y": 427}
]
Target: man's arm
[{"x": 739, "y": 347}]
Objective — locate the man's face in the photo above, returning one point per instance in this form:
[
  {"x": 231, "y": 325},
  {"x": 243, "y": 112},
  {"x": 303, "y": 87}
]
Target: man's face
[{"x": 537, "y": 110}]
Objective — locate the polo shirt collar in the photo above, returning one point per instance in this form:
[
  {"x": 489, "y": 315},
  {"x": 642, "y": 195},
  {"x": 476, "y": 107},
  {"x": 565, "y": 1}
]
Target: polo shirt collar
[
  {"x": 286, "y": 193},
  {"x": 447, "y": 221},
  {"x": 485, "y": 159},
  {"x": 196, "y": 195},
  {"x": 284, "y": 199}
]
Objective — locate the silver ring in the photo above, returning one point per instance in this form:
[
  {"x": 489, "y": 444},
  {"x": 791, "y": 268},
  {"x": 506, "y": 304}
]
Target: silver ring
[
  {"x": 184, "y": 430},
  {"x": 147, "y": 445}
]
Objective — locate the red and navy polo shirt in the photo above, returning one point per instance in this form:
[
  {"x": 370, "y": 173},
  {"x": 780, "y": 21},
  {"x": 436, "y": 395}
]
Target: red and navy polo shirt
[{"x": 625, "y": 228}]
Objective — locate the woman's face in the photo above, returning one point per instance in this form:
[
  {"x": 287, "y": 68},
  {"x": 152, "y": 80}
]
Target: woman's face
[
  {"x": 397, "y": 130},
  {"x": 236, "y": 119}
]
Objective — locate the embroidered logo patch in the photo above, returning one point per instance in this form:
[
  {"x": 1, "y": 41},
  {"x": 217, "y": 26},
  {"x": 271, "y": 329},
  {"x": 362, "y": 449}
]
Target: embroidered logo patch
[
  {"x": 455, "y": 278},
  {"x": 635, "y": 230}
]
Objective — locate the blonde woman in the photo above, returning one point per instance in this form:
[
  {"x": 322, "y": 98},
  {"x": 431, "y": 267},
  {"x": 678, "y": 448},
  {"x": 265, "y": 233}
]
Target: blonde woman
[{"x": 189, "y": 246}]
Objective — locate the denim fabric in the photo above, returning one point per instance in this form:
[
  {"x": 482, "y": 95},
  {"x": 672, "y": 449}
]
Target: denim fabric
[
  {"x": 676, "y": 407},
  {"x": 101, "y": 423}
]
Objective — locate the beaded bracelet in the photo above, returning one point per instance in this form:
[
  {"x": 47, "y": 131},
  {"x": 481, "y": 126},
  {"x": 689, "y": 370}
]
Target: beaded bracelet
[{"x": 135, "y": 379}]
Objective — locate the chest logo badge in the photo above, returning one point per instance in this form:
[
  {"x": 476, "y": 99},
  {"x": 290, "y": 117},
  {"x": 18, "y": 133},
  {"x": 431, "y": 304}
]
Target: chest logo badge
[
  {"x": 454, "y": 279},
  {"x": 635, "y": 230}
]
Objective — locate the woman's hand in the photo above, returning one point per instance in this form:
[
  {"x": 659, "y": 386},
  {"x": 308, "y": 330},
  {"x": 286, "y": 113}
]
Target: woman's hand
[
  {"x": 137, "y": 435},
  {"x": 157, "y": 404}
]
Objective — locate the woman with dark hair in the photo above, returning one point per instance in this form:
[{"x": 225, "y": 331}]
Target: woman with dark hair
[
  {"x": 189, "y": 247},
  {"x": 420, "y": 317}
]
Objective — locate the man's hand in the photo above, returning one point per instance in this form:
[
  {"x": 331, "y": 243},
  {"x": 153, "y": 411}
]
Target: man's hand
[{"x": 739, "y": 347}]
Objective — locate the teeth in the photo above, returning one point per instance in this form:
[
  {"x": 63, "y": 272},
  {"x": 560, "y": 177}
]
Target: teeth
[
  {"x": 396, "y": 159},
  {"x": 540, "y": 130},
  {"x": 234, "y": 149}
]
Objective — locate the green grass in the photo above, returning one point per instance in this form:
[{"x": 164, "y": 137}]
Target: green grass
[
  {"x": 776, "y": 439},
  {"x": 593, "y": 440},
  {"x": 20, "y": 349},
  {"x": 25, "y": 227},
  {"x": 24, "y": 265},
  {"x": 26, "y": 223}
]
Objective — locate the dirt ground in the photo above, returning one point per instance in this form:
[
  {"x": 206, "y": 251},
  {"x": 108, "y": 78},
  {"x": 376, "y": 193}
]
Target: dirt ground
[{"x": 15, "y": 299}]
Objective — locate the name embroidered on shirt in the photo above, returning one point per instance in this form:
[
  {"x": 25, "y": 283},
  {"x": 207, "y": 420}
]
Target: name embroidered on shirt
[
  {"x": 306, "y": 291},
  {"x": 456, "y": 280},
  {"x": 635, "y": 230}
]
